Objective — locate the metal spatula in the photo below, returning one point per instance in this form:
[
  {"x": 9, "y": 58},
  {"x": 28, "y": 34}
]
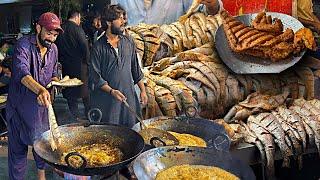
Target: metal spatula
[{"x": 152, "y": 135}]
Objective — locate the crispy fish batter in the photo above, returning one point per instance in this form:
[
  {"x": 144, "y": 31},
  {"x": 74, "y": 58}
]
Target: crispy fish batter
[
  {"x": 95, "y": 154},
  {"x": 189, "y": 140},
  {"x": 264, "y": 23},
  {"x": 195, "y": 172},
  {"x": 265, "y": 39}
]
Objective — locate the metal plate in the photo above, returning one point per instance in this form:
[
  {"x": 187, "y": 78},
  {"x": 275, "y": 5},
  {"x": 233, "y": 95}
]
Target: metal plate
[{"x": 246, "y": 64}]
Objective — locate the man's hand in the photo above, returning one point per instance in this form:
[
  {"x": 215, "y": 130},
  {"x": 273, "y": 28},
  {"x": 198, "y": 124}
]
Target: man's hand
[
  {"x": 55, "y": 79},
  {"x": 44, "y": 98},
  {"x": 118, "y": 95},
  {"x": 143, "y": 98},
  {"x": 212, "y": 6}
]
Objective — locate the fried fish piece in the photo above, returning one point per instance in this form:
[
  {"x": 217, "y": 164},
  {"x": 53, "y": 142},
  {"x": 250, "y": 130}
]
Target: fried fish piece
[
  {"x": 264, "y": 23},
  {"x": 265, "y": 39}
]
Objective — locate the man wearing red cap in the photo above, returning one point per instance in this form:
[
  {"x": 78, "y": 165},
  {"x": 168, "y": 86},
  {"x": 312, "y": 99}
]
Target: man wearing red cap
[{"x": 34, "y": 66}]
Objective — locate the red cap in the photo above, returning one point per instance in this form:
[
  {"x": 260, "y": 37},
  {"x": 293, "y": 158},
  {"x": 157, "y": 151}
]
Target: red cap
[{"x": 50, "y": 21}]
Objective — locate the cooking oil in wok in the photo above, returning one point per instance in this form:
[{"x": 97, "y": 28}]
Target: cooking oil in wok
[
  {"x": 188, "y": 139},
  {"x": 97, "y": 155},
  {"x": 195, "y": 172}
]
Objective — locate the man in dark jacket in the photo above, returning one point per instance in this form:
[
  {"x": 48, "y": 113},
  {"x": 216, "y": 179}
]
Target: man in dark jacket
[{"x": 73, "y": 55}]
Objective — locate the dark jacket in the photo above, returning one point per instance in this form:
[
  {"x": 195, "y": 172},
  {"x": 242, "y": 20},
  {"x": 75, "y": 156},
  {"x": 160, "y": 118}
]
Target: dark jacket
[{"x": 73, "y": 56}]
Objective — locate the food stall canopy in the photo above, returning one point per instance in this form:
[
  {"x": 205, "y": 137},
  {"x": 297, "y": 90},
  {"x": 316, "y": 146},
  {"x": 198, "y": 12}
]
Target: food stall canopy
[{"x": 239, "y": 7}]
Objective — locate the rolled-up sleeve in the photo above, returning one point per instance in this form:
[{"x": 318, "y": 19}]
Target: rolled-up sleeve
[
  {"x": 137, "y": 74},
  {"x": 20, "y": 63},
  {"x": 95, "y": 68}
]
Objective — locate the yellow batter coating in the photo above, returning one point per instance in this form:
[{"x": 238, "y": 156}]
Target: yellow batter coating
[
  {"x": 189, "y": 140},
  {"x": 95, "y": 154},
  {"x": 195, "y": 172}
]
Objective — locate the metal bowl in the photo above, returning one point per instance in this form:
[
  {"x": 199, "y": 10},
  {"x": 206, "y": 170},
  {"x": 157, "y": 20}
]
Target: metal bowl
[{"x": 148, "y": 164}]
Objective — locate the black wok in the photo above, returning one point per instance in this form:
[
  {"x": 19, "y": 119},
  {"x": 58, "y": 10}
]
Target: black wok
[
  {"x": 213, "y": 133},
  {"x": 149, "y": 163},
  {"x": 128, "y": 141}
]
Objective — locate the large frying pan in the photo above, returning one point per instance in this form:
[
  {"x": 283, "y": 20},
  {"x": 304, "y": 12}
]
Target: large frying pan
[
  {"x": 149, "y": 163},
  {"x": 128, "y": 141},
  {"x": 213, "y": 133},
  {"x": 245, "y": 64}
]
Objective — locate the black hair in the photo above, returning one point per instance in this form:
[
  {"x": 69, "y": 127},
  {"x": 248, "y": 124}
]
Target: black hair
[
  {"x": 111, "y": 13},
  {"x": 95, "y": 14},
  {"x": 73, "y": 13},
  {"x": 91, "y": 16}
]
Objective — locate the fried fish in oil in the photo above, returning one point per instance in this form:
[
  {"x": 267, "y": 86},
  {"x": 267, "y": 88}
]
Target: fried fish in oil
[
  {"x": 195, "y": 172},
  {"x": 95, "y": 154},
  {"x": 189, "y": 140}
]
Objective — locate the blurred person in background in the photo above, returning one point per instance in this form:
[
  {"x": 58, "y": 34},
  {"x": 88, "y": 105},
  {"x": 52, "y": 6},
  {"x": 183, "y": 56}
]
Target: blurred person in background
[
  {"x": 307, "y": 16},
  {"x": 73, "y": 55},
  {"x": 93, "y": 27},
  {"x": 162, "y": 11},
  {"x": 97, "y": 31}
]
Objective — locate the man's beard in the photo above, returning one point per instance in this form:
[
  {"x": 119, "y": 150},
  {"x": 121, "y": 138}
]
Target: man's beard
[
  {"x": 116, "y": 30},
  {"x": 45, "y": 43}
]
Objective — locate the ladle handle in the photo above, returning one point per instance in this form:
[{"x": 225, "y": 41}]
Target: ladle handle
[
  {"x": 84, "y": 161},
  {"x": 154, "y": 139},
  {"x": 143, "y": 126}
]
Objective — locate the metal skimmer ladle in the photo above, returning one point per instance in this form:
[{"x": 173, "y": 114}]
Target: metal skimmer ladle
[{"x": 152, "y": 135}]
